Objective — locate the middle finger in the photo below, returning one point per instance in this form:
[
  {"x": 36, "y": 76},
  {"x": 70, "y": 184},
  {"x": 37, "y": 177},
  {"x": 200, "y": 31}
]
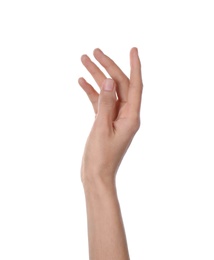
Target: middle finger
[{"x": 115, "y": 72}]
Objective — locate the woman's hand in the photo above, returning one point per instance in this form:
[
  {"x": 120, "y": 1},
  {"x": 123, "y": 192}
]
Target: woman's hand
[{"x": 117, "y": 115}]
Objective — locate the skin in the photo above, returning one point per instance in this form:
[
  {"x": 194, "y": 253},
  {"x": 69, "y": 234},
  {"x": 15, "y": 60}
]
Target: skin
[{"x": 117, "y": 119}]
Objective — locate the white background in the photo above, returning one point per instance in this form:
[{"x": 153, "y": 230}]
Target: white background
[{"x": 165, "y": 183}]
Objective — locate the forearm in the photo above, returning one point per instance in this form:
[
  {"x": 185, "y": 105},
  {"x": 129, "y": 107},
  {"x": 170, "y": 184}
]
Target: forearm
[{"x": 106, "y": 234}]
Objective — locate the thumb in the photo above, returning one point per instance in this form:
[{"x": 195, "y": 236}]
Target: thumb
[{"x": 107, "y": 100}]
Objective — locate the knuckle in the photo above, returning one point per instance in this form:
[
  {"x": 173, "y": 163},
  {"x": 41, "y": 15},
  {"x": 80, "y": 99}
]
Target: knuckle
[
  {"x": 107, "y": 102},
  {"x": 102, "y": 127}
]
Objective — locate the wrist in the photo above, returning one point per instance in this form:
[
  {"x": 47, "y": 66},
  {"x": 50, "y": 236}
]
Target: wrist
[
  {"x": 98, "y": 184},
  {"x": 97, "y": 174}
]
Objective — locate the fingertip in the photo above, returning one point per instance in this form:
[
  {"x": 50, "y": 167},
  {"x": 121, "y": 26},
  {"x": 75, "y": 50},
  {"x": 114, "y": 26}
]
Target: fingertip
[
  {"x": 97, "y": 51},
  {"x": 134, "y": 51},
  {"x": 109, "y": 84},
  {"x": 84, "y": 57},
  {"x": 134, "y": 58},
  {"x": 81, "y": 80}
]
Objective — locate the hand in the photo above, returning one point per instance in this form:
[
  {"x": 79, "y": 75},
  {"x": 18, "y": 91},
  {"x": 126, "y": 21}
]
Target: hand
[{"x": 117, "y": 115}]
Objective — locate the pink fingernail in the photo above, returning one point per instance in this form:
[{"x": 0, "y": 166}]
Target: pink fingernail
[{"x": 108, "y": 85}]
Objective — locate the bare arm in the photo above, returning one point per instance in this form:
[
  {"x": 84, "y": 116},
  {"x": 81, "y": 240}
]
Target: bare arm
[
  {"x": 105, "y": 226},
  {"x": 117, "y": 109}
]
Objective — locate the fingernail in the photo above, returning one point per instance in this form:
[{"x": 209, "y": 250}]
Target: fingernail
[{"x": 108, "y": 85}]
